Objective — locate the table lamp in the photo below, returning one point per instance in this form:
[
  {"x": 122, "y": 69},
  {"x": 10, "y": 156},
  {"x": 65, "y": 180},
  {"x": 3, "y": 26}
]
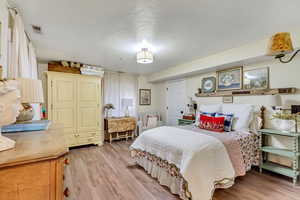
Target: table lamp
[
  {"x": 126, "y": 103},
  {"x": 276, "y": 102},
  {"x": 31, "y": 92}
]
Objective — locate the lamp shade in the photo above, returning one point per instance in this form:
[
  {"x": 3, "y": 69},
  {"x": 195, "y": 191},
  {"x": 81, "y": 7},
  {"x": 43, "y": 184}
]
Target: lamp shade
[
  {"x": 31, "y": 90},
  {"x": 276, "y": 100},
  {"x": 127, "y": 102},
  {"x": 144, "y": 56},
  {"x": 280, "y": 43}
]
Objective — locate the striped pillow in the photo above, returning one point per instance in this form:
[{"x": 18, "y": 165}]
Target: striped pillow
[{"x": 227, "y": 122}]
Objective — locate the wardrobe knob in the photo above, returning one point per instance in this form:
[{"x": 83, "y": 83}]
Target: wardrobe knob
[
  {"x": 67, "y": 192},
  {"x": 67, "y": 161}
]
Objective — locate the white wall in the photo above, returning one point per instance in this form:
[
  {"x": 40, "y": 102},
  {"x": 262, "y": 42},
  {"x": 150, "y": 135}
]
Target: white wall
[
  {"x": 249, "y": 53},
  {"x": 4, "y": 36},
  {"x": 144, "y": 84},
  {"x": 281, "y": 75}
]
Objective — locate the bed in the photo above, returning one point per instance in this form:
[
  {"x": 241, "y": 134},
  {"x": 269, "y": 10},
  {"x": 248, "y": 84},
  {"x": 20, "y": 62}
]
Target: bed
[{"x": 193, "y": 162}]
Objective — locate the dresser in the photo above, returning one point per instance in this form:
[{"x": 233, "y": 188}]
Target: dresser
[
  {"x": 34, "y": 169},
  {"x": 75, "y": 100},
  {"x": 119, "y": 127}
]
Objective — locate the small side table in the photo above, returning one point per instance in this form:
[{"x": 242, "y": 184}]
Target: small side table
[
  {"x": 184, "y": 122},
  {"x": 119, "y": 128},
  {"x": 292, "y": 154}
]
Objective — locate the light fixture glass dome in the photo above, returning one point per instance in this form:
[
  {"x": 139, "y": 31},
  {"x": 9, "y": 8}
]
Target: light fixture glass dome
[{"x": 144, "y": 56}]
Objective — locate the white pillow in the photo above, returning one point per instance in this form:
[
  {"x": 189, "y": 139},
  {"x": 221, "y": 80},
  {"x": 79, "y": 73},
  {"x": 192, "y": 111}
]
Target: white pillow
[
  {"x": 242, "y": 114},
  {"x": 211, "y": 108},
  {"x": 152, "y": 122}
]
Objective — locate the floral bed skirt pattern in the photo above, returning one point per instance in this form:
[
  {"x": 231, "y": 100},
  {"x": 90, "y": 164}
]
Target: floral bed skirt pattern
[{"x": 167, "y": 174}]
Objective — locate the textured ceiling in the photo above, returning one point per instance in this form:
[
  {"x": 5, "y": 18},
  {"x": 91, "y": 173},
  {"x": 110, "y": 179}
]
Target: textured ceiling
[{"x": 108, "y": 32}]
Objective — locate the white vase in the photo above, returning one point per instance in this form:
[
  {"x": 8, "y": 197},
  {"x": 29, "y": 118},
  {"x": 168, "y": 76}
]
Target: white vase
[{"x": 284, "y": 125}]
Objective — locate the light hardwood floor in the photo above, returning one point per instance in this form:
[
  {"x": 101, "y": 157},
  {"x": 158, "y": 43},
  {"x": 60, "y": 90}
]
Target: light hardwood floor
[{"x": 108, "y": 173}]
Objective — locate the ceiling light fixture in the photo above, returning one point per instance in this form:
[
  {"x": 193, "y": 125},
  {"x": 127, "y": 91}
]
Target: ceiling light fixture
[{"x": 144, "y": 56}]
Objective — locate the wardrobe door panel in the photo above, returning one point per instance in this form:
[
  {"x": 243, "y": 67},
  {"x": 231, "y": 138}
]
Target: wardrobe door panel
[
  {"x": 88, "y": 105},
  {"x": 63, "y": 103}
]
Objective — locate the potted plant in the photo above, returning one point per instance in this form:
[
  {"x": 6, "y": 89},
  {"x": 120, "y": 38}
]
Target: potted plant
[{"x": 284, "y": 121}]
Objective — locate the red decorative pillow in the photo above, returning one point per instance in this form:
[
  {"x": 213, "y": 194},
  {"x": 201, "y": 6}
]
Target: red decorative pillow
[{"x": 212, "y": 123}]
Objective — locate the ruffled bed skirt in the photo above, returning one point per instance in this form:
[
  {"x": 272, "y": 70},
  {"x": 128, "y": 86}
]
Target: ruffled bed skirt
[
  {"x": 168, "y": 174},
  {"x": 176, "y": 184}
]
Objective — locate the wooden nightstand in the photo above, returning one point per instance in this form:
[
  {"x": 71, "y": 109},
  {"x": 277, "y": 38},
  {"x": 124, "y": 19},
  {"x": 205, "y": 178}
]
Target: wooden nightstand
[
  {"x": 184, "y": 122},
  {"x": 292, "y": 154}
]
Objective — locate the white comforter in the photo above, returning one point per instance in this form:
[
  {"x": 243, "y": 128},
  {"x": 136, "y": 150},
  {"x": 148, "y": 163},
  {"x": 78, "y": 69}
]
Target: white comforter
[{"x": 203, "y": 160}]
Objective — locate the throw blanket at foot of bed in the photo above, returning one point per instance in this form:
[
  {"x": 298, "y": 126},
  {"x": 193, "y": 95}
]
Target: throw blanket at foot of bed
[{"x": 202, "y": 159}]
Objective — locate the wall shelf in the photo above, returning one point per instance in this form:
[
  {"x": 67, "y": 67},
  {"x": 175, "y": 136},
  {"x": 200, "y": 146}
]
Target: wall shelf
[{"x": 248, "y": 92}]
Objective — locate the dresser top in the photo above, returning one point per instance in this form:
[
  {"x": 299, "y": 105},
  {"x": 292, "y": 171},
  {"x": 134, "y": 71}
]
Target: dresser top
[{"x": 34, "y": 146}]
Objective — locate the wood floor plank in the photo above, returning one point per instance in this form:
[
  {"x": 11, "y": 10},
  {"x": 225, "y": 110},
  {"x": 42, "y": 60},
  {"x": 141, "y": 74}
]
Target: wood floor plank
[{"x": 108, "y": 173}]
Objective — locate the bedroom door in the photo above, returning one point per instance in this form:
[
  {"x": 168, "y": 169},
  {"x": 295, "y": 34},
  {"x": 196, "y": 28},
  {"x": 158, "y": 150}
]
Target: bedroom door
[{"x": 176, "y": 100}]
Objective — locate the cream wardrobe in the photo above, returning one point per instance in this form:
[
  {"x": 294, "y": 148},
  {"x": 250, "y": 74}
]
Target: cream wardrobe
[{"x": 75, "y": 101}]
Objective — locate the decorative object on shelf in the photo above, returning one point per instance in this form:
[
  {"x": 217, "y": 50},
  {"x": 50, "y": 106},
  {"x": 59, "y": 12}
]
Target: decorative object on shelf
[
  {"x": 92, "y": 70},
  {"x": 144, "y": 56},
  {"x": 281, "y": 44},
  {"x": 284, "y": 121},
  {"x": 145, "y": 97},
  {"x": 9, "y": 109},
  {"x": 199, "y": 90},
  {"x": 256, "y": 78},
  {"x": 228, "y": 99},
  {"x": 107, "y": 109},
  {"x": 293, "y": 154},
  {"x": 126, "y": 103},
  {"x": 63, "y": 66},
  {"x": 31, "y": 92},
  {"x": 230, "y": 79},
  {"x": 209, "y": 84},
  {"x": 249, "y": 92}
]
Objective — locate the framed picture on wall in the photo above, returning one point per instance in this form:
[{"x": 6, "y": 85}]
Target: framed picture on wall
[
  {"x": 230, "y": 79},
  {"x": 228, "y": 99},
  {"x": 145, "y": 97},
  {"x": 256, "y": 78},
  {"x": 209, "y": 84}
]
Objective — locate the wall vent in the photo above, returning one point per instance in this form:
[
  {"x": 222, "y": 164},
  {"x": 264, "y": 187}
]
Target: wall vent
[{"x": 36, "y": 29}]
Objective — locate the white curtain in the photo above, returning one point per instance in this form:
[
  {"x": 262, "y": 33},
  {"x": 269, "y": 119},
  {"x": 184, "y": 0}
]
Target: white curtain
[
  {"x": 32, "y": 61},
  {"x": 22, "y": 57},
  {"x": 118, "y": 86},
  {"x": 19, "y": 65}
]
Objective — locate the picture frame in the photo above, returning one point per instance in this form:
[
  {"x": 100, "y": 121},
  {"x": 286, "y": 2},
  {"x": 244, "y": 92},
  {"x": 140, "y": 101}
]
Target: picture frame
[
  {"x": 230, "y": 79},
  {"x": 145, "y": 97},
  {"x": 208, "y": 84},
  {"x": 256, "y": 78},
  {"x": 228, "y": 99}
]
